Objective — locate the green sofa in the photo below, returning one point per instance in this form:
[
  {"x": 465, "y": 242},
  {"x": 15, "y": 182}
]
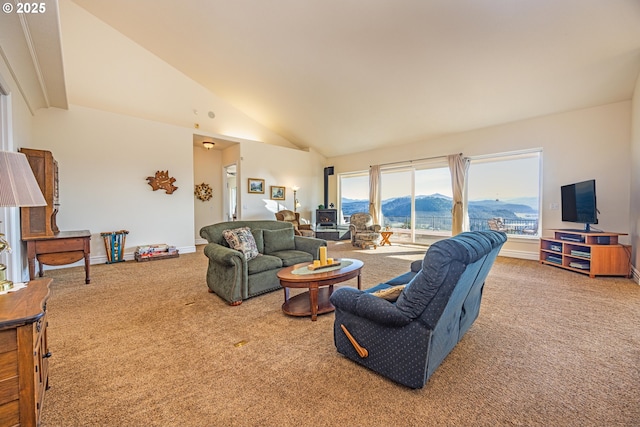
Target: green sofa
[{"x": 235, "y": 279}]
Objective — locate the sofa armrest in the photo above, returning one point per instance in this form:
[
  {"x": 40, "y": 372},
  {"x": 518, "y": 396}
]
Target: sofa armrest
[
  {"x": 363, "y": 304},
  {"x": 223, "y": 255},
  {"x": 376, "y": 228},
  {"x": 305, "y": 227},
  {"x": 310, "y": 245}
]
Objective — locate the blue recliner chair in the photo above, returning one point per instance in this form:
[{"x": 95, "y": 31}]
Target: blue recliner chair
[{"x": 406, "y": 340}]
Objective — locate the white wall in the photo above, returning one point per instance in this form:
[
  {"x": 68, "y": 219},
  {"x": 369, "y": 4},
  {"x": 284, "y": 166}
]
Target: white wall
[
  {"x": 107, "y": 71},
  {"x": 634, "y": 211},
  {"x": 130, "y": 115},
  {"x": 104, "y": 160},
  {"x": 577, "y": 145},
  {"x": 282, "y": 167},
  {"x": 207, "y": 168}
]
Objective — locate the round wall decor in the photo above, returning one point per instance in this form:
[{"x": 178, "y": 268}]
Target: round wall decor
[{"x": 203, "y": 192}]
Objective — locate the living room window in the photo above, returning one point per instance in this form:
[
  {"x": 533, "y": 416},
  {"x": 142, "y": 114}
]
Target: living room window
[
  {"x": 503, "y": 192},
  {"x": 416, "y": 201},
  {"x": 354, "y": 194}
]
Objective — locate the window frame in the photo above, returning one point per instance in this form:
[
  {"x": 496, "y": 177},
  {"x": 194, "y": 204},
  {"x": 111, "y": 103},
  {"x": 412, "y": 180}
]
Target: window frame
[{"x": 505, "y": 156}]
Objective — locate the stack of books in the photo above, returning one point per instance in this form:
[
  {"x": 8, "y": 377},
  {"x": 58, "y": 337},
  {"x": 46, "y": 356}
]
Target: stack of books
[{"x": 157, "y": 251}]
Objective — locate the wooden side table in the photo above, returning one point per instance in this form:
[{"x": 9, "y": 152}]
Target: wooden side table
[
  {"x": 385, "y": 237},
  {"x": 65, "y": 247}
]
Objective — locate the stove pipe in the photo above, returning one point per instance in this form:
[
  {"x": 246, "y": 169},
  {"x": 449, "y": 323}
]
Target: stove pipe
[{"x": 327, "y": 171}]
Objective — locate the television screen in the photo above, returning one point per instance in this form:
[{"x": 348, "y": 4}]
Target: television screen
[{"x": 579, "y": 202}]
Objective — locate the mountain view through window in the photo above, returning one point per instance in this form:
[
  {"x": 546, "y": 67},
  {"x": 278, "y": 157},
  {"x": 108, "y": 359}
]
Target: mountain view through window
[{"x": 502, "y": 194}]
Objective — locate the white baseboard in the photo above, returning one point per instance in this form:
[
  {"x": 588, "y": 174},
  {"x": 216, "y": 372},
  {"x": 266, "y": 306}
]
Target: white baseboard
[
  {"x": 510, "y": 253},
  {"x": 635, "y": 273},
  {"x": 102, "y": 259},
  {"x": 201, "y": 242}
]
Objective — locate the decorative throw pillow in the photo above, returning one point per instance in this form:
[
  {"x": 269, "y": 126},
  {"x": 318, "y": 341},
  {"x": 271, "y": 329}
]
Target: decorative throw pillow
[
  {"x": 242, "y": 240},
  {"x": 390, "y": 294}
]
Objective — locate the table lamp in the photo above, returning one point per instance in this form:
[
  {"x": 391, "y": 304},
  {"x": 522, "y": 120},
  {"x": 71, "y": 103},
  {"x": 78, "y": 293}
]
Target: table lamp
[{"x": 18, "y": 188}]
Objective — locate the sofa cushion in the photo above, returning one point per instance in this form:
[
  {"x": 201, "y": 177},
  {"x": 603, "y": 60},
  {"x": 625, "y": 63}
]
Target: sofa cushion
[
  {"x": 242, "y": 240},
  {"x": 259, "y": 238},
  {"x": 278, "y": 240},
  {"x": 263, "y": 263},
  {"x": 442, "y": 265},
  {"x": 292, "y": 257}
]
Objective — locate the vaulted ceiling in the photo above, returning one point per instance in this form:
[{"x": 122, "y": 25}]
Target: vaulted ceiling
[{"x": 349, "y": 75}]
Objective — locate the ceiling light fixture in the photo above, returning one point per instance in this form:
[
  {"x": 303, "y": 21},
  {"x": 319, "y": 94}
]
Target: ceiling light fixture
[{"x": 208, "y": 144}]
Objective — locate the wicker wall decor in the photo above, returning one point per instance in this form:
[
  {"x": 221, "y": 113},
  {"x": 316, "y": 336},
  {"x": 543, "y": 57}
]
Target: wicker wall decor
[{"x": 203, "y": 192}]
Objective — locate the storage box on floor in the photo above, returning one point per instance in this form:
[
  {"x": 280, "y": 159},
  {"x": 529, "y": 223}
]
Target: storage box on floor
[{"x": 155, "y": 252}]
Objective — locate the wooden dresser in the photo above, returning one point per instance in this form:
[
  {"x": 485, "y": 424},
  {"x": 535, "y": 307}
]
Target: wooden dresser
[{"x": 24, "y": 354}]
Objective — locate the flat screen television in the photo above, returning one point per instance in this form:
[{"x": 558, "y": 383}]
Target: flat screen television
[{"x": 579, "y": 203}]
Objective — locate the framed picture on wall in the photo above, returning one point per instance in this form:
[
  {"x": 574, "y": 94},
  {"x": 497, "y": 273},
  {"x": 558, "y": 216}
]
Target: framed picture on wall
[
  {"x": 256, "y": 185},
  {"x": 277, "y": 193}
]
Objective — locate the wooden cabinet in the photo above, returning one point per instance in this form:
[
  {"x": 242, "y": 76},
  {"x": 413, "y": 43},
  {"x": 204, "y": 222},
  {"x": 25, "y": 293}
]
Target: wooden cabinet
[
  {"x": 592, "y": 253},
  {"x": 24, "y": 354},
  {"x": 41, "y": 221}
]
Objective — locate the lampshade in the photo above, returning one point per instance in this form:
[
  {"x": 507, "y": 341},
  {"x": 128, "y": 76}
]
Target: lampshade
[{"x": 18, "y": 186}]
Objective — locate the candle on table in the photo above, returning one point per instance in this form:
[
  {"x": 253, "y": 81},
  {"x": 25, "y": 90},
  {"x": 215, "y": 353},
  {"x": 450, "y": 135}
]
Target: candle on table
[
  {"x": 316, "y": 263},
  {"x": 323, "y": 255}
]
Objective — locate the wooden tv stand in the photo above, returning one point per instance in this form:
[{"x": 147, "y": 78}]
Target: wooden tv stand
[{"x": 592, "y": 253}]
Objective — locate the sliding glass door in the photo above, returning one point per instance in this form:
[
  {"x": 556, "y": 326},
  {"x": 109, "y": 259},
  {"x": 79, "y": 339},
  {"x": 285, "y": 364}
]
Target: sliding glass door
[
  {"x": 433, "y": 203},
  {"x": 396, "y": 189},
  {"x": 417, "y": 197},
  {"x": 416, "y": 202}
]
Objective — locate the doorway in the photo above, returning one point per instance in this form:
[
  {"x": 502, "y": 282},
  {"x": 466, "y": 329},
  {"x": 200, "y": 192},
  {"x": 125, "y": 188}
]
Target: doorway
[{"x": 231, "y": 190}]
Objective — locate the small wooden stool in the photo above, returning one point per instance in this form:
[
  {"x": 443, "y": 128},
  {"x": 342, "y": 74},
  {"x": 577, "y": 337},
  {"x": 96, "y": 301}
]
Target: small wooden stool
[{"x": 385, "y": 237}]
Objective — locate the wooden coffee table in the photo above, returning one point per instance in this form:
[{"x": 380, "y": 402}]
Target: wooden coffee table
[{"x": 320, "y": 284}]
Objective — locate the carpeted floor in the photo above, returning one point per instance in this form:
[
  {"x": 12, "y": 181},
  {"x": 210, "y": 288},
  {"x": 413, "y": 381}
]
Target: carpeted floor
[{"x": 146, "y": 345}]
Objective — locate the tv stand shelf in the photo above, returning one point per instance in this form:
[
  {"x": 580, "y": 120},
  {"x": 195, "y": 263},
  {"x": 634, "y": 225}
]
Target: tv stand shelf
[{"x": 586, "y": 252}]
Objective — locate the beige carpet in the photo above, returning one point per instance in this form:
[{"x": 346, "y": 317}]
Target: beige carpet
[{"x": 146, "y": 345}]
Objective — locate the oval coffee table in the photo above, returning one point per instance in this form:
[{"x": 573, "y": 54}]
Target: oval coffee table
[{"x": 320, "y": 284}]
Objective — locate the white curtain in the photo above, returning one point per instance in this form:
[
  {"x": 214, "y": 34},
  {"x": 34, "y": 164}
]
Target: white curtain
[
  {"x": 458, "y": 166},
  {"x": 374, "y": 194}
]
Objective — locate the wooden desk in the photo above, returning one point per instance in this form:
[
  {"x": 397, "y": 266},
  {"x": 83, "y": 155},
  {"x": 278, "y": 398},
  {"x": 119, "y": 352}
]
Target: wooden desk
[{"x": 63, "y": 248}]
